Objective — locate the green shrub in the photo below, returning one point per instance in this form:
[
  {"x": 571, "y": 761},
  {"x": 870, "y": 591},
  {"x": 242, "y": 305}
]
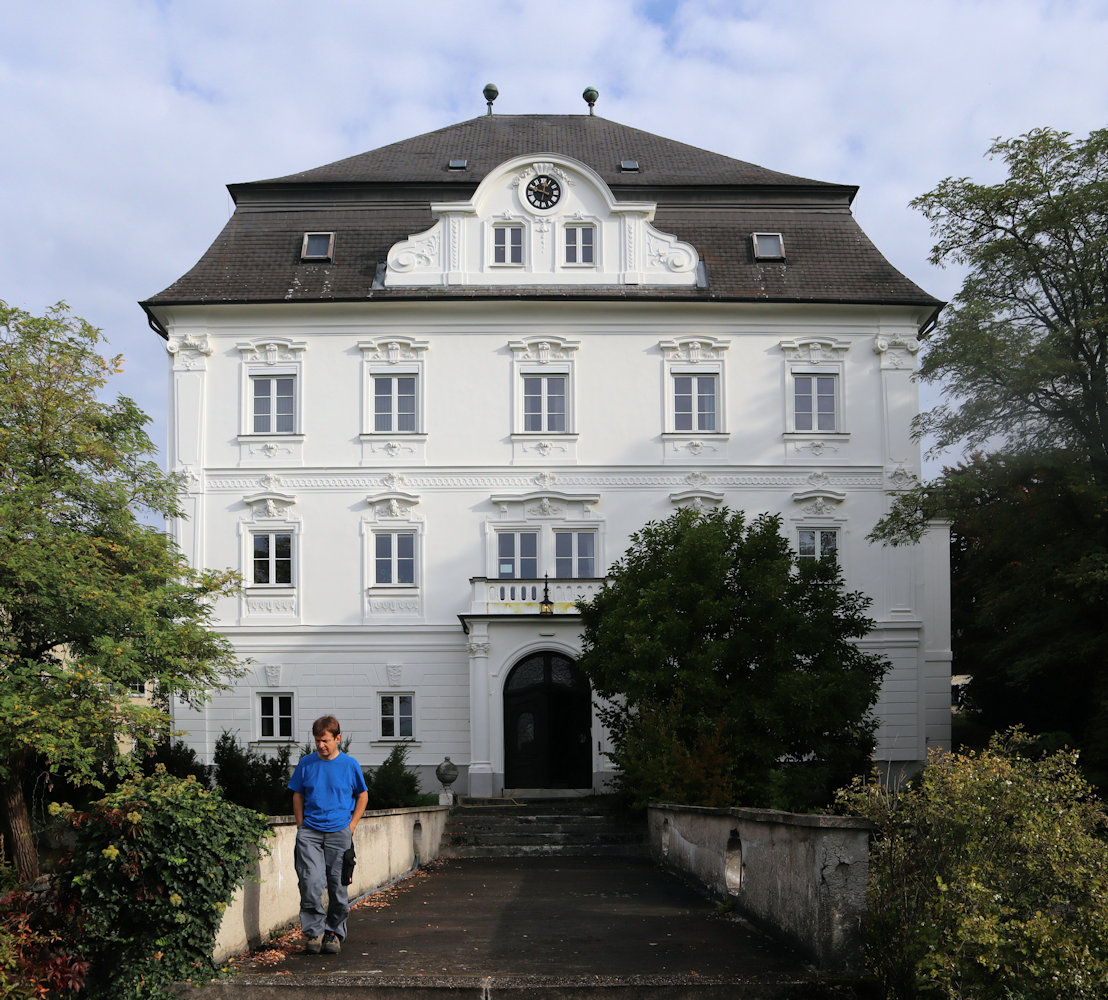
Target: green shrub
[
  {"x": 154, "y": 866},
  {"x": 392, "y": 785},
  {"x": 988, "y": 878},
  {"x": 179, "y": 759},
  {"x": 251, "y": 779}
]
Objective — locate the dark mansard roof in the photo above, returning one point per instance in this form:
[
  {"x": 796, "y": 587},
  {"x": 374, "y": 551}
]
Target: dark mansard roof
[{"x": 375, "y": 199}]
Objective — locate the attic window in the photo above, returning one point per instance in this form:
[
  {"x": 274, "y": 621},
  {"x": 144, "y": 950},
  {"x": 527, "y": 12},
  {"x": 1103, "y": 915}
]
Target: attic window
[
  {"x": 318, "y": 246},
  {"x": 628, "y": 166},
  {"x": 457, "y": 164},
  {"x": 768, "y": 246}
]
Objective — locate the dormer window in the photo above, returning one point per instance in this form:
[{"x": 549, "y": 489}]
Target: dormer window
[
  {"x": 318, "y": 246},
  {"x": 769, "y": 246},
  {"x": 580, "y": 244}
]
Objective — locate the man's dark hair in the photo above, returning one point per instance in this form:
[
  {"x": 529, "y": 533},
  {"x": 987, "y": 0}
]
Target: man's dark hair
[{"x": 326, "y": 724}]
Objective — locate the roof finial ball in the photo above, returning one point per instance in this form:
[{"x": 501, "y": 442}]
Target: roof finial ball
[
  {"x": 590, "y": 94},
  {"x": 491, "y": 92}
]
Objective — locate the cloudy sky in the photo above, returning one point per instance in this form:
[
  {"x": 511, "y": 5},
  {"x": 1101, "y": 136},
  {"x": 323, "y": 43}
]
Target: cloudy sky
[{"x": 122, "y": 122}]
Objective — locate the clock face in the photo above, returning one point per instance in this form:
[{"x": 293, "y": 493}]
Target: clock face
[{"x": 543, "y": 191}]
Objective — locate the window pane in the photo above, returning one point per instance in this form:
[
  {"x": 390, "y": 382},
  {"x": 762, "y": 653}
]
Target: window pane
[
  {"x": 571, "y": 244},
  {"x": 587, "y": 233},
  {"x": 516, "y": 234},
  {"x": 388, "y": 721},
  {"x": 319, "y": 245},
  {"x": 828, "y": 544},
  {"x": 382, "y": 553},
  {"x": 405, "y": 403},
  {"x": 556, "y": 405},
  {"x": 506, "y": 555},
  {"x": 261, "y": 558},
  {"x": 267, "y": 715},
  {"x": 706, "y": 403},
  {"x": 806, "y": 548},
  {"x": 586, "y": 554},
  {"x": 405, "y": 558},
  {"x": 682, "y": 403},
  {"x": 532, "y": 404}
]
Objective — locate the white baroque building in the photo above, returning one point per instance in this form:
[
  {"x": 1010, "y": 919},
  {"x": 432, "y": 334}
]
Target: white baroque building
[{"x": 417, "y": 390}]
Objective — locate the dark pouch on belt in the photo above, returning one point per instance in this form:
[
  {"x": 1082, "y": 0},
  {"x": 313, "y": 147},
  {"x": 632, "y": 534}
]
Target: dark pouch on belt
[{"x": 348, "y": 861}]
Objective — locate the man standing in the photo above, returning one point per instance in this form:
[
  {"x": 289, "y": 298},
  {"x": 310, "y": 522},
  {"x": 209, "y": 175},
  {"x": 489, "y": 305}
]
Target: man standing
[{"x": 328, "y": 798}]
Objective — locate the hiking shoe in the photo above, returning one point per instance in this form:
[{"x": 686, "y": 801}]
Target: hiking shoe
[
  {"x": 332, "y": 943},
  {"x": 313, "y": 944}
]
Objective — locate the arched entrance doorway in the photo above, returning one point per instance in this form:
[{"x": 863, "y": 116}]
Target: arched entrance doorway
[{"x": 547, "y": 724}]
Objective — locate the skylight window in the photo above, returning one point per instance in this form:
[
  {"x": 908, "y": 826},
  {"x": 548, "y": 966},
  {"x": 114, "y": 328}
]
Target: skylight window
[
  {"x": 318, "y": 246},
  {"x": 769, "y": 246},
  {"x": 629, "y": 166},
  {"x": 457, "y": 164}
]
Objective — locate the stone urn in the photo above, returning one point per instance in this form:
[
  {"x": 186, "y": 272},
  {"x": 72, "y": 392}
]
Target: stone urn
[{"x": 447, "y": 773}]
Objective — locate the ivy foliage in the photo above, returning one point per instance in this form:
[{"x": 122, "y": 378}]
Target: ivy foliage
[
  {"x": 154, "y": 866},
  {"x": 988, "y": 878},
  {"x": 731, "y": 669}
]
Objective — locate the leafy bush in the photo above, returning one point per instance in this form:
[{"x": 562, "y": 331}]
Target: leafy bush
[
  {"x": 39, "y": 951},
  {"x": 251, "y": 779},
  {"x": 154, "y": 866},
  {"x": 988, "y": 878},
  {"x": 392, "y": 785}
]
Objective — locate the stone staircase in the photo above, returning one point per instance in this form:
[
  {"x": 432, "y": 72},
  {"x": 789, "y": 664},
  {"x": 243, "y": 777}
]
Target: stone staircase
[{"x": 511, "y": 828}]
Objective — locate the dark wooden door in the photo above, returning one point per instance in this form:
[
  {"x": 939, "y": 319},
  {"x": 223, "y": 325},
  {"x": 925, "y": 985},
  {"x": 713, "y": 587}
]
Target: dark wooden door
[{"x": 547, "y": 724}]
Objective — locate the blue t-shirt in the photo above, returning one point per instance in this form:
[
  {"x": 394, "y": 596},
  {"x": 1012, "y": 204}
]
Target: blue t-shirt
[{"x": 330, "y": 788}]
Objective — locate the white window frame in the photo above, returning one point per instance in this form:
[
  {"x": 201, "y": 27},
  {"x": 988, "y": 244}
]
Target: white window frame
[
  {"x": 395, "y": 697},
  {"x": 580, "y": 224},
  {"x": 543, "y": 357},
  {"x": 274, "y": 397},
  {"x": 391, "y": 513},
  {"x": 544, "y": 512},
  {"x": 517, "y": 556},
  {"x": 816, "y": 395},
  {"x": 394, "y": 414},
  {"x": 394, "y": 557},
  {"x": 545, "y": 414},
  {"x": 271, "y": 358},
  {"x": 693, "y": 356},
  {"x": 272, "y": 558},
  {"x": 271, "y": 513},
  {"x": 818, "y": 530},
  {"x": 815, "y": 357},
  {"x": 277, "y": 716},
  {"x": 508, "y": 226},
  {"x": 575, "y": 533}
]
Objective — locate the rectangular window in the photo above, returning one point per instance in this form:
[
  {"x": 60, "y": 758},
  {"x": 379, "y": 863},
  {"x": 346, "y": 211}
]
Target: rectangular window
[
  {"x": 544, "y": 403},
  {"x": 507, "y": 244},
  {"x": 574, "y": 554},
  {"x": 517, "y": 555},
  {"x": 276, "y": 716},
  {"x": 818, "y": 543},
  {"x": 768, "y": 246},
  {"x": 274, "y": 404},
  {"x": 317, "y": 246},
  {"x": 394, "y": 558},
  {"x": 394, "y": 403},
  {"x": 694, "y": 402},
  {"x": 815, "y": 402},
  {"x": 397, "y": 716},
  {"x": 580, "y": 244},
  {"x": 273, "y": 558}
]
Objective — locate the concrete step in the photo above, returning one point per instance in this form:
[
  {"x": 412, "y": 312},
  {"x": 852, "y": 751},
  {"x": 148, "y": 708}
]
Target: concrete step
[
  {"x": 362, "y": 987},
  {"x": 577, "y": 828}
]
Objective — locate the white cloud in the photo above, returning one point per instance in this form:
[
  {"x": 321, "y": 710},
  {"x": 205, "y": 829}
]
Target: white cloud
[{"x": 123, "y": 122}]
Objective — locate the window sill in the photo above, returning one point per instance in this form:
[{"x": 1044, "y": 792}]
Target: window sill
[
  {"x": 816, "y": 436},
  {"x": 297, "y": 436},
  {"x": 385, "y": 435},
  {"x": 391, "y": 741},
  {"x": 261, "y": 589}
]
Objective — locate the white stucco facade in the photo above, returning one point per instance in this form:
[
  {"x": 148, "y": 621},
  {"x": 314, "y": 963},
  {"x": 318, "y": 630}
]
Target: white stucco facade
[{"x": 564, "y": 423}]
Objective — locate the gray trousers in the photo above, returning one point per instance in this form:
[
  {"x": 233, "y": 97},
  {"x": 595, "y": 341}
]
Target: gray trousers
[{"x": 318, "y": 862}]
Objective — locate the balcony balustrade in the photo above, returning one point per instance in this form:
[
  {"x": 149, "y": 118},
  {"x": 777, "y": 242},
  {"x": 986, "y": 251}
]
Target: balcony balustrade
[{"x": 523, "y": 597}]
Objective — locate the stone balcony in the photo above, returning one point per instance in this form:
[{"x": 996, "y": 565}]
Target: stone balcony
[{"x": 523, "y": 597}]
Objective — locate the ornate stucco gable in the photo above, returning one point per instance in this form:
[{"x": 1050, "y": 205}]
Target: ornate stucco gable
[{"x": 575, "y": 233}]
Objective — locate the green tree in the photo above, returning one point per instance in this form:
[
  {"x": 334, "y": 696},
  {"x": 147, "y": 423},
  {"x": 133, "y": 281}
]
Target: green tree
[
  {"x": 1022, "y": 355},
  {"x": 1029, "y": 595},
  {"x": 1022, "y": 352},
  {"x": 988, "y": 878},
  {"x": 713, "y": 643},
  {"x": 92, "y": 601}
]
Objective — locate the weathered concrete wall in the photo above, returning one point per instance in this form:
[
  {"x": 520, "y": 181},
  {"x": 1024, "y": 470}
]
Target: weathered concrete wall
[
  {"x": 389, "y": 843},
  {"x": 800, "y": 876}
]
